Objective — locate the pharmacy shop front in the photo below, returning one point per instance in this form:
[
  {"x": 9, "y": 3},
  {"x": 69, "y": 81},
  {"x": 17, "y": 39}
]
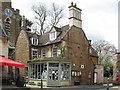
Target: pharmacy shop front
[{"x": 49, "y": 73}]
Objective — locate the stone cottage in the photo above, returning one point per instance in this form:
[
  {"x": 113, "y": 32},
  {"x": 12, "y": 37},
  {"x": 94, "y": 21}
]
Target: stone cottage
[{"x": 59, "y": 57}]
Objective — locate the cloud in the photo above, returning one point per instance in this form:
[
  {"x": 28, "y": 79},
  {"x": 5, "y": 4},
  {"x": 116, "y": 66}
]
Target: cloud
[{"x": 99, "y": 17}]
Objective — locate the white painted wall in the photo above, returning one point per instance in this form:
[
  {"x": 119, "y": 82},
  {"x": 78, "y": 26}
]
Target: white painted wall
[
  {"x": 99, "y": 74},
  {"x": 75, "y": 17}
]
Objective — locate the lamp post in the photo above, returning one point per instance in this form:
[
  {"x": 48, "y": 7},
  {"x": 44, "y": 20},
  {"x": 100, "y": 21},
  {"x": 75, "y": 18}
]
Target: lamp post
[
  {"x": 41, "y": 78},
  {"x": 107, "y": 83},
  {"x": 41, "y": 83}
]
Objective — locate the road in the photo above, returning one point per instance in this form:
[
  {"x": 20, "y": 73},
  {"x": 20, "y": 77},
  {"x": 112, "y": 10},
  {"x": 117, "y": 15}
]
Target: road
[{"x": 80, "y": 87}]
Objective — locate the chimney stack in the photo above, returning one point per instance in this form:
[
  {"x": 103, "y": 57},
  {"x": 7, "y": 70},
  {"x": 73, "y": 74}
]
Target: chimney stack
[{"x": 75, "y": 16}]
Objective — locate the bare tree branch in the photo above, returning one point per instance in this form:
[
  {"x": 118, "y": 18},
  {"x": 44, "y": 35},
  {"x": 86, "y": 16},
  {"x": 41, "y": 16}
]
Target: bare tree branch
[
  {"x": 104, "y": 49},
  {"x": 47, "y": 18},
  {"x": 41, "y": 15},
  {"x": 56, "y": 14}
]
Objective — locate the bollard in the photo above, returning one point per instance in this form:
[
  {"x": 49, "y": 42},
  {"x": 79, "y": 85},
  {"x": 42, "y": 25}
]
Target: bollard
[{"x": 107, "y": 83}]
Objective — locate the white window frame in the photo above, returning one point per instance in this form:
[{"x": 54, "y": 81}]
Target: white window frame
[
  {"x": 43, "y": 52},
  {"x": 34, "y": 41},
  {"x": 36, "y": 55},
  {"x": 37, "y": 71},
  {"x": 52, "y": 36},
  {"x": 54, "y": 52}
]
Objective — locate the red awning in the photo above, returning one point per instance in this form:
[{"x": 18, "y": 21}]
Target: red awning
[{"x": 9, "y": 62}]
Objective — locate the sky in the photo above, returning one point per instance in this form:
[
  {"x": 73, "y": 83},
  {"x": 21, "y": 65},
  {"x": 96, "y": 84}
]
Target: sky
[{"x": 99, "y": 17}]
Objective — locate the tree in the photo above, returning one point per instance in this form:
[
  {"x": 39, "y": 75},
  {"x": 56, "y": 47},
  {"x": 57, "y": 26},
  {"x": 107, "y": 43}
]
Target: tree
[
  {"x": 105, "y": 52},
  {"x": 46, "y": 18},
  {"x": 41, "y": 15},
  {"x": 56, "y": 14},
  {"x": 28, "y": 23}
]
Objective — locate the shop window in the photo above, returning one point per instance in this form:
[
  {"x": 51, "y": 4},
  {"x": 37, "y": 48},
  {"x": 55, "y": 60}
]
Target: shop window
[
  {"x": 43, "y": 52},
  {"x": 34, "y": 53},
  {"x": 53, "y": 74},
  {"x": 54, "y": 51},
  {"x": 38, "y": 71},
  {"x": 53, "y": 71},
  {"x": 65, "y": 73}
]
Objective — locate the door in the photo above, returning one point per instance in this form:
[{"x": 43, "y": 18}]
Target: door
[
  {"x": 53, "y": 74},
  {"x": 95, "y": 77}
]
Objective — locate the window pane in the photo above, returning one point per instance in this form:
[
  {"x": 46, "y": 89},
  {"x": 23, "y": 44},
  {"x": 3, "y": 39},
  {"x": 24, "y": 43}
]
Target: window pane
[
  {"x": 34, "y": 41},
  {"x": 53, "y": 74},
  {"x": 38, "y": 71},
  {"x": 43, "y": 52},
  {"x": 34, "y": 53},
  {"x": 52, "y": 35},
  {"x": 54, "y": 51},
  {"x": 65, "y": 71}
]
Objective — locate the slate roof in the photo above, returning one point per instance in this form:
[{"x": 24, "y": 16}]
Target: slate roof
[
  {"x": 32, "y": 34},
  {"x": 44, "y": 39},
  {"x": 93, "y": 52}
]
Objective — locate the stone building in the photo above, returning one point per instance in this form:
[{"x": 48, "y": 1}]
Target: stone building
[
  {"x": 10, "y": 26},
  {"x": 116, "y": 67},
  {"x": 98, "y": 69},
  {"x": 11, "y": 23},
  {"x": 3, "y": 49},
  {"x": 3, "y": 41},
  {"x": 58, "y": 57}
]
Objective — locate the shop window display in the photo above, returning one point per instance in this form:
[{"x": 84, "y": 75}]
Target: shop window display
[{"x": 65, "y": 73}]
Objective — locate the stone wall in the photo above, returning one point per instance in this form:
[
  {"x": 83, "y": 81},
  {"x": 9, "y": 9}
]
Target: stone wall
[
  {"x": 78, "y": 52},
  {"x": 4, "y": 47},
  {"x": 22, "y": 52}
]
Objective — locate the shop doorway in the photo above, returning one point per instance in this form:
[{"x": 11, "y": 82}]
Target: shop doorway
[{"x": 53, "y": 74}]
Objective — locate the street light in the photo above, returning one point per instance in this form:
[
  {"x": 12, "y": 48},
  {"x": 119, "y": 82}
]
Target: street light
[{"x": 107, "y": 83}]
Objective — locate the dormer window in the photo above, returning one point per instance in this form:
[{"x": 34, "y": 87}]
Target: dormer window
[
  {"x": 34, "y": 41},
  {"x": 52, "y": 35}
]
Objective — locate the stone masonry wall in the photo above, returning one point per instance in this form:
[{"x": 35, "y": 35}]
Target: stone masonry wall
[{"x": 78, "y": 52}]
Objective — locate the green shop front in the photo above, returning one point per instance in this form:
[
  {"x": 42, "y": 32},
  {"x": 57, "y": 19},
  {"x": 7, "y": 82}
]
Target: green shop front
[{"x": 49, "y": 72}]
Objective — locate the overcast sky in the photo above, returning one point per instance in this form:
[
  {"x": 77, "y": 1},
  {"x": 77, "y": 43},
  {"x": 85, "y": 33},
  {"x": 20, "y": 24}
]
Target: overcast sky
[{"x": 99, "y": 17}]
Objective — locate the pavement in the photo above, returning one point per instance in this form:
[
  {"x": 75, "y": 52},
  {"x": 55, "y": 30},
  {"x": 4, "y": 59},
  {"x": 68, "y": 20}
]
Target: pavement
[{"x": 79, "y": 87}]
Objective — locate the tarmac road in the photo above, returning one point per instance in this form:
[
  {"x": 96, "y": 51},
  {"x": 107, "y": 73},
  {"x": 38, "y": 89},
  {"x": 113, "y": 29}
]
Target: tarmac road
[{"x": 80, "y": 87}]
